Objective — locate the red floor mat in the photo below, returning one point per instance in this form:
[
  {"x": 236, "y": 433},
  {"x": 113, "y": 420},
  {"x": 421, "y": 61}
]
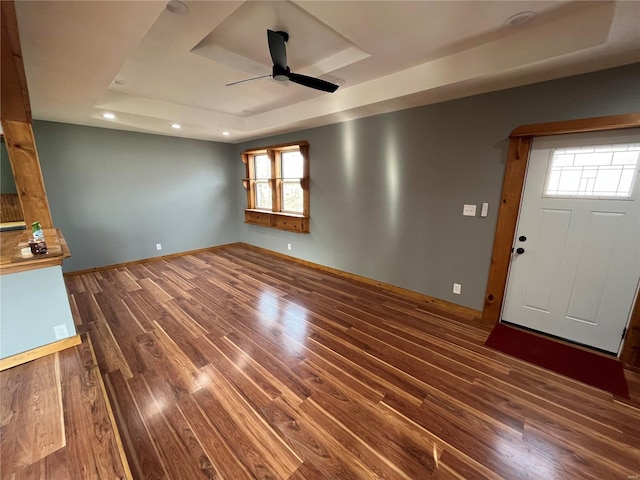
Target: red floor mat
[{"x": 599, "y": 371}]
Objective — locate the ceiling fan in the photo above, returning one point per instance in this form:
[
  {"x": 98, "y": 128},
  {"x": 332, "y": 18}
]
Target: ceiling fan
[{"x": 282, "y": 72}]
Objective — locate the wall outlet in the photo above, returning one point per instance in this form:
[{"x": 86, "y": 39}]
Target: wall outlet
[
  {"x": 457, "y": 288},
  {"x": 288, "y": 246},
  {"x": 158, "y": 246},
  {"x": 61, "y": 331}
]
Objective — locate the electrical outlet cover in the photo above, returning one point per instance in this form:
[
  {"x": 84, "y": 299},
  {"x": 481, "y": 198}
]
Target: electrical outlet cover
[{"x": 61, "y": 331}]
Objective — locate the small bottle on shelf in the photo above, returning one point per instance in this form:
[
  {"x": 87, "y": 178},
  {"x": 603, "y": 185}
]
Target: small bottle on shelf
[{"x": 37, "y": 244}]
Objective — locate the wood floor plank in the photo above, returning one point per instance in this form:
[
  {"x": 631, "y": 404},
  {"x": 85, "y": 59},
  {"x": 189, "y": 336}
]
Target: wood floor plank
[
  {"x": 415, "y": 454},
  {"x": 54, "y": 465},
  {"x": 143, "y": 313},
  {"x": 247, "y": 379},
  {"x": 569, "y": 463},
  {"x": 172, "y": 377},
  {"x": 543, "y": 411},
  {"x": 172, "y": 452},
  {"x": 137, "y": 441},
  {"x": 152, "y": 292},
  {"x": 107, "y": 348},
  {"x": 246, "y": 365},
  {"x": 278, "y": 367},
  {"x": 245, "y": 445},
  {"x": 331, "y": 448},
  {"x": 396, "y": 379},
  {"x": 596, "y": 413},
  {"x": 271, "y": 451},
  {"x": 31, "y": 397},
  {"x": 95, "y": 453},
  {"x": 177, "y": 332},
  {"x": 270, "y": 382},
  {"x": 208, "y": 319},
  {"x": 227, "y": 463}
]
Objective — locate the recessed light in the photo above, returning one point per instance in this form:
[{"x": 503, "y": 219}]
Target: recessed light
[
  {"x": 108, "y": 115},
  {"x": 520, "y": 19},
  {"x": 178, "y": 7},
  {"x": 176, "y": 126},
  {"x": 226, "y": 134}
]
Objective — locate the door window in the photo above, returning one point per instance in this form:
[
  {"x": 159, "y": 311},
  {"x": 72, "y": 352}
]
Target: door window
[{"x": 602, "y": 171}]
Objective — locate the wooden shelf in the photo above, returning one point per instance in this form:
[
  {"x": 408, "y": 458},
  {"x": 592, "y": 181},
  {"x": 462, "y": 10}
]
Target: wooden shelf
[
  {"x": 289, "y": 222},
  {"x": 12, "y": 261}
]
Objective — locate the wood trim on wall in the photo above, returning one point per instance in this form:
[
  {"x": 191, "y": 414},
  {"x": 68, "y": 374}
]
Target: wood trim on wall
[
  {"x": 458, "y": 312},
  {"x": 517, "y": 158},
  {"x": 512, "y": 187},
  {"x": 35, "y": 353},
  {"x": 144, "y": 260},
  {"x": 631, "y": 350},
  {"x": 595, "y": 124}
]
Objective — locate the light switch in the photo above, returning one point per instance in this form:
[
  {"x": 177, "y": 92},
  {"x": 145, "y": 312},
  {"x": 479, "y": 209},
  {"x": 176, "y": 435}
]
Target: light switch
[
  {"x": 469, "y": 211},
  {"x": 484, "y": 211}
]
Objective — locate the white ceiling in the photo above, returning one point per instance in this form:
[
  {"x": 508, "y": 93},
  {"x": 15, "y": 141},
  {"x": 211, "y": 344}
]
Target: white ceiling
[{"x": 151, "y": 67}]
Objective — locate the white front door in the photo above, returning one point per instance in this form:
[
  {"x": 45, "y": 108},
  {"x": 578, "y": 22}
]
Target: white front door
[{"x": 576, "y": 260}]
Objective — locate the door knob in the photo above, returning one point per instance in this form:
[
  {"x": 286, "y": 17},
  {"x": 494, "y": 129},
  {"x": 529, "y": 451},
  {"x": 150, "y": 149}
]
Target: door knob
[
  {"x": 520, "y": 250},
  {"x": 522, "y": 238}
]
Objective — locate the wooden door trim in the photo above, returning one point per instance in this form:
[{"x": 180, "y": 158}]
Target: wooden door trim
[
  {"x": 519, "y": 149},
  {"x": 595, "y": 124}
]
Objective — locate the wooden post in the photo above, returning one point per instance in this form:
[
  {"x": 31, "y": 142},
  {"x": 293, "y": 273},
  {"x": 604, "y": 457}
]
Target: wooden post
[
  {"x": 16, "y": 124},
  {"x": 27, "y": 174}
]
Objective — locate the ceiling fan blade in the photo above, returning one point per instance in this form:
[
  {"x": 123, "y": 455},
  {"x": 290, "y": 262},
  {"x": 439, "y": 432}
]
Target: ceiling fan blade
[
  {"x": 278, "y": 48},
  {"x": 246, "y": 80},
  {"x": 313, "y": 82}
]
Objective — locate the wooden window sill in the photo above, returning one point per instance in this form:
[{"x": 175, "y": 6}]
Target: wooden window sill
[{"x": 290, "y": 222}]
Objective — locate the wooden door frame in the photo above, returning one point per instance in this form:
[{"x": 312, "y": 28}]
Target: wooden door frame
[{"x": 520, "y": 142}]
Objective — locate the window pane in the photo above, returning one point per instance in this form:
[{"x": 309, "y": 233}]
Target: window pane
[
  {"x": 607, "y": 181},
  {"x": 263, "y": 195},
  {"x": 588, "y": 172},
  {"x": 626, "y": 158},
  {"x": 292, "y": 164},
  {"x": 263, "y": 166},
  {"x": 597, "y": 158},
  {"x": 292, "y": 200},
  {"x": 626, "y": 179}
]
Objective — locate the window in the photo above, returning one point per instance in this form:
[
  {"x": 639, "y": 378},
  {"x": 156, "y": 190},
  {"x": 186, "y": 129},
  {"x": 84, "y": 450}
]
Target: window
[
  {"x": 262, "y": 191},
  {"x": 291, "y": 188},
  {"x": 605, "y": 171},
  {"x": 277, "y": 184}
]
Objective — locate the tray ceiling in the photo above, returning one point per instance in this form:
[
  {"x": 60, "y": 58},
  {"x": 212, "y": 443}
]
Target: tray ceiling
[{"x": 152, "y": 68}]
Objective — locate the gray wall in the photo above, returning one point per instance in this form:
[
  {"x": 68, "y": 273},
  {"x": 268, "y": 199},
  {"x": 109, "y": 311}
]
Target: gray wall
[
  {"x": 116, "y": 194},
  {"x": 387, "y": 192}
]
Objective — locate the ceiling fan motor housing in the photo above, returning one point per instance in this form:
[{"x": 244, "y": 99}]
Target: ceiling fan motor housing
[
  {"x": 280, "y": 73},
  {"x": 284, "y": 35}
]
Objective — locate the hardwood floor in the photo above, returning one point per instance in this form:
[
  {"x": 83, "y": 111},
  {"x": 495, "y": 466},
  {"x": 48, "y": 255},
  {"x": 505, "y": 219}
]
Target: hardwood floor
[
  {"x": 235, "y": 364},
  {"x": 55, "y": 422}
]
